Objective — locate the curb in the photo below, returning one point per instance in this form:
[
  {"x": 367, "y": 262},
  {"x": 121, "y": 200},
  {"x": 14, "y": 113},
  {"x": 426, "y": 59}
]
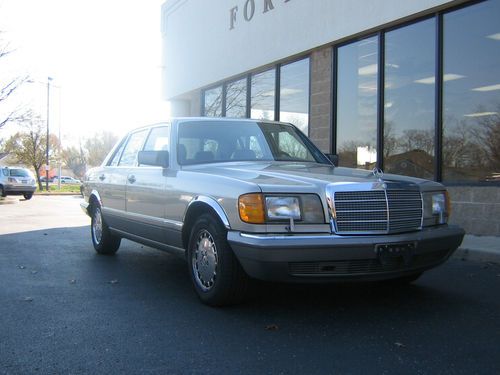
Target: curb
[
  {"x": 55, "y": 193},
  {"x": 479, "y": 248}
]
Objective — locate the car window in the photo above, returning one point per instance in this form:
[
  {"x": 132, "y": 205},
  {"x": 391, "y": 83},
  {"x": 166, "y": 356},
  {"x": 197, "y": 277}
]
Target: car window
[
  {"x": 209, "y": 142},
  {"x": 5, "y": 171},
  {"x": 159, "y": 139},
  {"x": 133, "y": 146},
  {"x": 116, "y": 157},
  {"x": 19, "y": 173},
  {"x": 290, "y": 146}
]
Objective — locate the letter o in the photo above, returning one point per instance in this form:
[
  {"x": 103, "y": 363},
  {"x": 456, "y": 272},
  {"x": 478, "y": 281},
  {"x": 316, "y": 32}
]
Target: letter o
[{"x": 248, "y": 16}]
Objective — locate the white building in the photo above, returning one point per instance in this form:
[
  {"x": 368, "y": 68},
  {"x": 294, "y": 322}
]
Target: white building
[{"x": 413, "y": 86}]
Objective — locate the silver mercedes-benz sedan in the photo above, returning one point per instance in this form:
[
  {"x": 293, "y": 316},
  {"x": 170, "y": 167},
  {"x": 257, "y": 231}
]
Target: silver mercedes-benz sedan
[{"x": 243, "y": 199}]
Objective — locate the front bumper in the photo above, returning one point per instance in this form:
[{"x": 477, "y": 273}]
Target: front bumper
[
  {"x": 85, "y": 207},
  {"x": 331, "y": 257}
]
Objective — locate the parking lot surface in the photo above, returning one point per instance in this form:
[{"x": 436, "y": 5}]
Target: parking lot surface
[{"x": 66, "y": 310}]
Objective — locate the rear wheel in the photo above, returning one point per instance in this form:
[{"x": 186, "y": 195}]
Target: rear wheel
[
  {"x": 217, "y": 276},
  {"x": 28, "y": 196},
  {"x": 104, "y": 242}
]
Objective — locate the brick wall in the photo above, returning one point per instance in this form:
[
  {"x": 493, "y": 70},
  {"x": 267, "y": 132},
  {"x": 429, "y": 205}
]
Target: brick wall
[
  {"x": 476, "y": 209},
  {"x": 321, "y": 96}
]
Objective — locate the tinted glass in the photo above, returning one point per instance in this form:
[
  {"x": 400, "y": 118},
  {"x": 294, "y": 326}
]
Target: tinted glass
[
  {"x": 117, "y": 155},
  {"x": 158, "y": 140},
  {"x": 203, "y": 142},
  {"x": 294, "y": 94},
  {"x": 263, "y": 95},
  {"x": 236, "y": 98},
  {"x": 357, "y": 103},
  {"x": 471, "y": 93},
  {"x": 213, "y": 102},
  {"x": 410, "y": 100},
  {"x": 19, "y": 173},
  {"x": 134, "y": 145}
]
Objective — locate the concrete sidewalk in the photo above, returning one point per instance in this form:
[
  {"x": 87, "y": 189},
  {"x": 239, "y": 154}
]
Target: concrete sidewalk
[{"x": 479, "y": 248}]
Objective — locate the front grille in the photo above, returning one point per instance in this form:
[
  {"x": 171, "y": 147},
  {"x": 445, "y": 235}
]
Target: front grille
[
  {"x": 364, "y": 266},
  {"x": 377, "y": 211}
]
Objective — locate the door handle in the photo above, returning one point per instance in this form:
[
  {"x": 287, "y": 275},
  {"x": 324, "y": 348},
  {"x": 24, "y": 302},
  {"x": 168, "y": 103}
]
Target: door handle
[
  {"x": 131, "y": 179},
  {"x": 102, "y": 177}
]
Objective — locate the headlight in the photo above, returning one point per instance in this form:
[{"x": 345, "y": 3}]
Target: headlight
[
  {"x": 283, "y": 208},
  {"x": 436, "y": 208},
  {"x": 258, "y": 208}
]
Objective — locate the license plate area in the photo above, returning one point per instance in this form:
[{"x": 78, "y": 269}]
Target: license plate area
[{"x": 400, "y": 253}]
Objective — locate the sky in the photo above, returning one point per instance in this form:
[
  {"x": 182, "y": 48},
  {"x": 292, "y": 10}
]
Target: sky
[{"x": 104, "y": 57}]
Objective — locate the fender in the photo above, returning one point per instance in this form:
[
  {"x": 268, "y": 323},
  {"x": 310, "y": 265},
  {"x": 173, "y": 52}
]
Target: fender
[
  {"x": 214, "y": 205},
  {"x": 96, "y": 194}
]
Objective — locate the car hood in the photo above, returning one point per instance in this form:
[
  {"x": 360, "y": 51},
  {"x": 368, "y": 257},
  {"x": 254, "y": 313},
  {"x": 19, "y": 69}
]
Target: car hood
[{"x": 274, "y": 176}]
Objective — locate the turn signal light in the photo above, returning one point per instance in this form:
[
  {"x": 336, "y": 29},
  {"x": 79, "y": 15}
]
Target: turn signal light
[{"x": 251, "y": 207}]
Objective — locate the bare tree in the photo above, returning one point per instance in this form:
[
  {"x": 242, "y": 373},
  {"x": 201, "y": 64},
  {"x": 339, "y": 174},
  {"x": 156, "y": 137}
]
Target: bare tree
[
  {"x": 98, "y": 147},
  {"x": 8, "y": 87},
  {"x": 75, "y": 159},
  {"x": 29, "y": 145},
  {"x": 487, "y": 132}
]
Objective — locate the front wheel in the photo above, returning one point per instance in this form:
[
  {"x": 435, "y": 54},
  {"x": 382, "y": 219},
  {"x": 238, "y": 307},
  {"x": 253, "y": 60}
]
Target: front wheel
[
  {"x": 104, "y": 242},
  {"x": 28, "y": 196},
  {"x": 217, "y": 276},
  {"x": 404, "y": 280},
  {"x": 2, "y": 191}
]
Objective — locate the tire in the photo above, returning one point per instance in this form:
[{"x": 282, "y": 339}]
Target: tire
[
  {"x": 404, "y": 280},
  {"x": 104, "y": 242},
  {"x": 28, "y": 196},
  {"x": 217, "y": 276},
  {"x": 2, "y": 192}
]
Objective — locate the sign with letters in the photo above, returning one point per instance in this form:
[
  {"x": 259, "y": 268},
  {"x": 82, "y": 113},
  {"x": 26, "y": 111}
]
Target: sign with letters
[{"x": 248, "y": 10}]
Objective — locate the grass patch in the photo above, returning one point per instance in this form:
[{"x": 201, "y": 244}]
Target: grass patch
[{"x": 65, "y": 188}]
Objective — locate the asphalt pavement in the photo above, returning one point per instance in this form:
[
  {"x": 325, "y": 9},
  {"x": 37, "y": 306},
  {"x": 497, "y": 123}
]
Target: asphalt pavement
[{"x": 66, "y": 310}]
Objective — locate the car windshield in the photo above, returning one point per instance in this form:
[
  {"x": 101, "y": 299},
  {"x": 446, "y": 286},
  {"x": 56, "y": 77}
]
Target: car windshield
[
  {"x": 213, "y": 142},
  {"x": 19, "y": 173}
]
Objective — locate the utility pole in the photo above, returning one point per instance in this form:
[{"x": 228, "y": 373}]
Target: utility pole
[{"x": 47, "y": 167}]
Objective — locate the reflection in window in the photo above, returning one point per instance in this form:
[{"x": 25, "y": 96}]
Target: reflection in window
[
  {"x": 236, "y": 98},
  {"x": 213, "y": 102},
  {"x": 409, "y": 100},
  {"x": 117, "y": 155},
  {"x": 294, "y": 94},
  {"x": 357, "y": 103},
  {"x": 158, "y": 139},
  {"x": 263, "y": 94},
  {"x": 471, "y": 93},
  {"x": 134, "y": 145}
]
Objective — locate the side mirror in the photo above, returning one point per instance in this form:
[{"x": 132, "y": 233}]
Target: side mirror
[
  {"x": 334, "y": 158},
  {"x": 156, "y": 158}
]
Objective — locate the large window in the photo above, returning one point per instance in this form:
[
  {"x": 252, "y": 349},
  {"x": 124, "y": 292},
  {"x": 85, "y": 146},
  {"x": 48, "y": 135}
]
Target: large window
[
  {"x": 409, "y": 105},
  {"x": 213, "y": 102},
  {"x": 236, "y": 98},
  {"x": 357, "y": 103},
  {"x": 263, "y": 95},
  {"x": 290, "y": 88},
  {"x": 471, "y": 93},
  {"x": 294, "y": 94},
  {"x": 433, "y": 109}
]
